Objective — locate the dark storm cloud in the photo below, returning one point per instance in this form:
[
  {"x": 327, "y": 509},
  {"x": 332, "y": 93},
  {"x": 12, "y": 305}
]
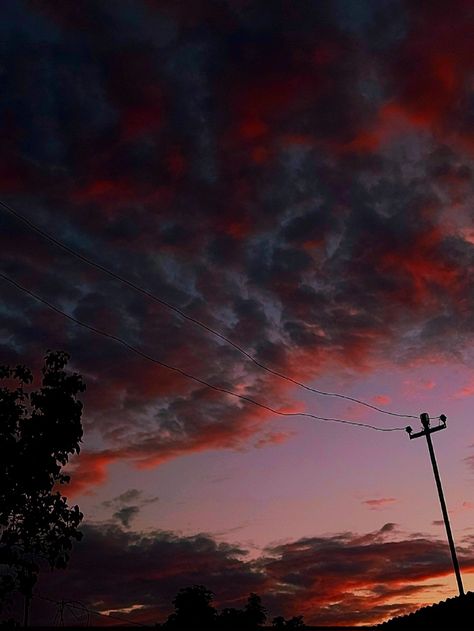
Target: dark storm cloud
[
  {"x": 325, "y": 578},
  {"x": 298, "y": 176}
]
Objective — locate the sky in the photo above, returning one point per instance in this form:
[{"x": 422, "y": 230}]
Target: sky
[{"x": 297, "y": 176}]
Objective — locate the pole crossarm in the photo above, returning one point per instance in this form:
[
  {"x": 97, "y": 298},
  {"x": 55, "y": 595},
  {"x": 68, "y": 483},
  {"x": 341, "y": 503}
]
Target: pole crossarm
[{"x": 431, "y": 430}]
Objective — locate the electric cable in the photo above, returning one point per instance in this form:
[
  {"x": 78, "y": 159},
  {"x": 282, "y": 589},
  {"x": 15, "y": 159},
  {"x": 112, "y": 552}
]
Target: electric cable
[
  {"x": 186, "y": 374},
  {"x": 32, "y": 226},
  {"x": 71, "y": 604}
]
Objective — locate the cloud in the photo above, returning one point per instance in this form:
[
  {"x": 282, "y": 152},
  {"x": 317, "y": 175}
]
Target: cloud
[
  {"x": 273, "y": 438},
  {"x": 127, "y": 506},
  {"x": 91, "y": 473},
  {"x": 290, "y": 182},
  {"x": 133, "y": 569},
  {"x": 124, "y": 498},
  {"x": 469, "y": 460},
  {"x": 378, "y": 503},
  {"x": 338, "y": 579},
  {"x": 131, "y": 495},
  {"x": 126, "y": 514},
  {"x": 466, "y": 391},
  {"x": 328, "y": 579}
]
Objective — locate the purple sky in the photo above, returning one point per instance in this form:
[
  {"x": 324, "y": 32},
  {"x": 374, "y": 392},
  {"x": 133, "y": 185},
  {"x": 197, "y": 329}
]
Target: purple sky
[{"x": 299, "y": 177}]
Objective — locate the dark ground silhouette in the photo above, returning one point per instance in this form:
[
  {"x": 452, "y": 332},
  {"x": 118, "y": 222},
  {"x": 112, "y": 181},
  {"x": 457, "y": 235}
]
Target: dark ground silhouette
[
  {"x": 454, "y": 613},
  {"x": 194, "y": 612}
]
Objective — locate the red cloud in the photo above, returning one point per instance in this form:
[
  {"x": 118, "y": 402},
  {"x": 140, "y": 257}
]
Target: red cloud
[
  {"x": 110, "y": 194},
  {"x": 350, "y": 580},
  {"x": 238, "y": 424},
  {"x": 142, "y": 119},
  {"x": 87, "y": 471},
  {"x": 420, "y": 266}
]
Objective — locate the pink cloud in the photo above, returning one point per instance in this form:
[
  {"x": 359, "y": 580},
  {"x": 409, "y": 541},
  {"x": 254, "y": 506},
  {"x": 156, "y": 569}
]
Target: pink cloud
[
  {"x": 273, "y": 438},
  {"x": 377, "y": 503},
  {"x": 466, "y": 391}
]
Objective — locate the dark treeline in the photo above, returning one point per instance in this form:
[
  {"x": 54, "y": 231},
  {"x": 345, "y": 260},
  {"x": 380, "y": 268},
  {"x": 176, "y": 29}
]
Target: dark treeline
[{"x": 194, "y": 611}]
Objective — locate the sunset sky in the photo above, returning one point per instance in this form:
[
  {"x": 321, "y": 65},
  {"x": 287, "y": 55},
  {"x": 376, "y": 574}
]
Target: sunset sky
[{"x": 297, "y": 175}]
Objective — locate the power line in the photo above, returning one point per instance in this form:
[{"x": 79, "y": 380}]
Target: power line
[
  {"x": 188, "y": 375},
  {"x": 72, "y": 605},
  {"x": 195, "y": 321}
]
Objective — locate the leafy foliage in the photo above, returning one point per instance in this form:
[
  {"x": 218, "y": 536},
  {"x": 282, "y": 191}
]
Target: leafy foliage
[
  {"x": 193, "y": 609},
  {"x": 39, "y": 430},
  {"x": 255, "y": 612},
  {"x": 231, "y": 619},
  {"x": 292, "y": 623}
]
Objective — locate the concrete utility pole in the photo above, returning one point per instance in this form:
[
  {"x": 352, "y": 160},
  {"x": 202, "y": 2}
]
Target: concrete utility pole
[{"x": 427, "y": 431}]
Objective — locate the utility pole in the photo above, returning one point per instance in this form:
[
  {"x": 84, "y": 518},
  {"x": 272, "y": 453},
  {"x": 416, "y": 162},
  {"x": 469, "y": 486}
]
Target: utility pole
[{"x": 427, "y": 431}]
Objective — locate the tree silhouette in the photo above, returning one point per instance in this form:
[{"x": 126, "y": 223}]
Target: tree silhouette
[
  {"x": 39, "y": 430},
  {"x": 255, "y": 612},
  {"x": 194, "y": 612},
  {"x": 292, "y": 623},
  {"x": 231, "y": 619},
  {"x": 193, "y": 609}
]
